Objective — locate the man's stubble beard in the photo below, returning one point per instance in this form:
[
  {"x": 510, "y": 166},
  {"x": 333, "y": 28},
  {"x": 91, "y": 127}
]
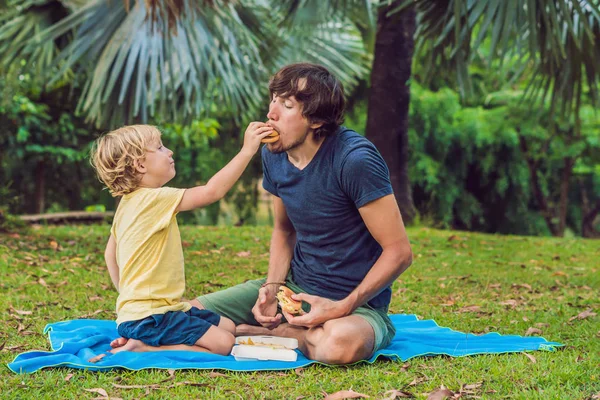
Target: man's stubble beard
[{"x": 289, "y": 147}]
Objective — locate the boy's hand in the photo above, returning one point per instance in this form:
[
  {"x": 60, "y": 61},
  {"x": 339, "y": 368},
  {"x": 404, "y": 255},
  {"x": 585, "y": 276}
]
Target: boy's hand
[{"x": 255, "y": 132}]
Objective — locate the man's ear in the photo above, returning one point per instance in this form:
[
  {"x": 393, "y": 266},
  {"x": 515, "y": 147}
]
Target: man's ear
[
  {"x": 139, "y": 166},
  {"x": 316, "y": 125}
]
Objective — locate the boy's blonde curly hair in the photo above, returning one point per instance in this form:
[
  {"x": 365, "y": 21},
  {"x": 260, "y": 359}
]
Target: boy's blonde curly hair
[{"x": 114, "y": 155}]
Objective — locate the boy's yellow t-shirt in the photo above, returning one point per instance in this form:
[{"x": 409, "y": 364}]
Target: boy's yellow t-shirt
[{"x": 149, "y": 254}]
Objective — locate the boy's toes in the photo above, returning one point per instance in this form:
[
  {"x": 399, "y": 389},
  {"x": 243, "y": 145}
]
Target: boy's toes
[{"x": 118, "y": 342}]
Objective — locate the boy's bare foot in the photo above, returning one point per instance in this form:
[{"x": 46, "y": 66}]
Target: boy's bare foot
[
  {"x": 131, "y": 345},
  {"x": 118, "y": 342}
]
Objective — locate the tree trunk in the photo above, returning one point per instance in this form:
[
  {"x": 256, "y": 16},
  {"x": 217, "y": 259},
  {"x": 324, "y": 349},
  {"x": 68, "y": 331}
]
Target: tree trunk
[
  {"x": 589, "y": 215},
  {"x": 536, "y": 188},
  {"x": 40, "y": 187},
  {"x": 564, "y": 195},
  {"x": 387, "y": 121}
]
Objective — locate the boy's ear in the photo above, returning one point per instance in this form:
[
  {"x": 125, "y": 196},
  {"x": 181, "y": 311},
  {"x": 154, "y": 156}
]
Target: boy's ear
[{"x": 139, "y": 166}]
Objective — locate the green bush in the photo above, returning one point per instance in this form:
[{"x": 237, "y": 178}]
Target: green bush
[{"x": 468, "y": 170}]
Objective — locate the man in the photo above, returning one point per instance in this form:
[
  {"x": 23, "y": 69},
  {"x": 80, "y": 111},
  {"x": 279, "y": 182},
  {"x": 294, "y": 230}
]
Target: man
[{"x": 338, "y": 237}]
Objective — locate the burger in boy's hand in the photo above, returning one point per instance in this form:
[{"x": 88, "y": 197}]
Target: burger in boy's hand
[
  {"x": 271, "y": 138},
  {"x": 289, "y": 305}
]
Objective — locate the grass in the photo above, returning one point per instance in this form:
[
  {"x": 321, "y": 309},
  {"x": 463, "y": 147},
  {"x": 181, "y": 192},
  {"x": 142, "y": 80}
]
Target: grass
[{"x": 517, "y": 283}]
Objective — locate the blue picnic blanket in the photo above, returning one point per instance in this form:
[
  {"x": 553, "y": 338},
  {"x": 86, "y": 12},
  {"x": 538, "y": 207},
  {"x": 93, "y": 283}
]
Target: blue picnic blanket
[{"x": 74, "y": 342}]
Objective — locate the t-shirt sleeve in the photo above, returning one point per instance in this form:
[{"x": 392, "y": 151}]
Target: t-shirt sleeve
[
  {"x": 365, "y": 176},
  {"x": 165, "y": 201},
  {"x": 267, "y": 183}
]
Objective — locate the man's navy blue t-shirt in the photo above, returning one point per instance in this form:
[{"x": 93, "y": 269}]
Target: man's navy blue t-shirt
[{"x": 334, "y": 249}]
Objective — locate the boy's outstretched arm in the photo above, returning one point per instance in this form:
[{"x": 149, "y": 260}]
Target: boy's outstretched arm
[
  {"x": 222, "y": 181},
  {"x": 110, "y": 256}
]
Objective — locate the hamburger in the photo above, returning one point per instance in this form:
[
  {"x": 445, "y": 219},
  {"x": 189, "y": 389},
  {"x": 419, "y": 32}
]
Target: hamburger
[
  {"x": 271, "y": 138},
  {"x": 287, "y": 304}
]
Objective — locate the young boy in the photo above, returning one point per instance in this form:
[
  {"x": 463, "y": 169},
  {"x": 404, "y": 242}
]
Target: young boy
[{"x": 144, "y": 255}]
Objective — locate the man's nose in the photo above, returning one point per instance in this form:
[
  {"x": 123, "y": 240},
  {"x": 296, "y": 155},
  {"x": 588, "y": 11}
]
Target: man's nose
[{"x": 272, "y": 114}]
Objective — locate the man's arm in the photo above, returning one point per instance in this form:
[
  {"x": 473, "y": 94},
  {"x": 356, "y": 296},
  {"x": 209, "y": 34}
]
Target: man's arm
[
  {"x": 283, "y": 240},
  {"x": 384, "y": 222},
  {"x": 382, "y": 218},
  {"x": 110, "y": 256}
]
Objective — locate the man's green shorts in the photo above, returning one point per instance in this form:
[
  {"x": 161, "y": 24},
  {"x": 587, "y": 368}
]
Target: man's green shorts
[{"x": 236, "y": 304}]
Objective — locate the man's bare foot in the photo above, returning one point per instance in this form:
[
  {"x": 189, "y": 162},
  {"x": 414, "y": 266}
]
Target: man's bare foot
[
  {"x": 284, "y": 330},
  {"x": 132, "y": 345},
  {"x": 118, "y": 342},
  {"x": 245, "y": 330}
]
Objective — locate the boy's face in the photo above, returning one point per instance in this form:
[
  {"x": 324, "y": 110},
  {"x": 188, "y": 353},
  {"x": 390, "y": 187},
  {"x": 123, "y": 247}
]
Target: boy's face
[
  {"x": 158, "y": 165},
  {"x": 285, "y": 115}
]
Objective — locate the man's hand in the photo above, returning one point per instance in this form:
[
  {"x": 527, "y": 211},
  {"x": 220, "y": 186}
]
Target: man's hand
[
  {"x": 321, "y": 311},
  {"x": 265, "y": 308}
]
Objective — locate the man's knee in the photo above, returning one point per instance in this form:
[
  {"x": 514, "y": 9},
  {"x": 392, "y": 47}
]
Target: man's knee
[{"x": 338, "y": 345}]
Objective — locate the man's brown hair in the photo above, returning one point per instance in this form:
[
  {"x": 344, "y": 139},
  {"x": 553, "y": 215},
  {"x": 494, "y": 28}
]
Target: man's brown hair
[{"x": 320, "y": 93}]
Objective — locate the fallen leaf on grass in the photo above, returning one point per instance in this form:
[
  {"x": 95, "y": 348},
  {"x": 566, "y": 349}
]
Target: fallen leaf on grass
[
  {"x": 217, "y": 374},
  {"x": 596, "y": 396},
  {"x": 171, "y": 375},
  {"x": 416, "y": 381},
  {"x": 560, "y": 273},
  {"x": 470, "y": 309},
  {"x": 97, "y": 358},
  {"x": 54, "y": 245},
  {"x": 542, "y": 324},
  {"x": 151, "y": 386},
  {"x": 91, "y": 314},
  {"x": 345, "y": 394},
  {"x": 68, "y": 377},
  {"x": 471, "y": 386},
  {"x": 2, "y": 345},
  {"x": 522, "y": 285},
  {"x": 189, "y": 383},
  {"x": 533, "y": 331},
  {"x": 583, "y": 315},
  {"x": 20, "y": 312},
  {"x": 495, "y": 286},
  {"x": 532, "y": 358},
  {"x": 396, "y": 394},
  {"x": 243, "y": 254},
  {"x": 42, "y": 282},
  {"x": 441, "y": 393},
  {"x": 299, "y": 371},
  {"x": 509, "y": 302},
  {"x": 100, "y": 391}
]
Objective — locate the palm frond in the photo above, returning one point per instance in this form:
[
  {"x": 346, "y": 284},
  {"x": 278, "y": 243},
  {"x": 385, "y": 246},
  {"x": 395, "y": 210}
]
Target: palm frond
[
  {"x": 175, "y": 60},
  {"x": 560, "y": 38},
  {"x": 21, "y": 21}
]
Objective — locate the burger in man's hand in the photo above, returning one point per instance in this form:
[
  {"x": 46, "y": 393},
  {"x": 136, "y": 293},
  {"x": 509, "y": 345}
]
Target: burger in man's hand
[{"x": 289, "y": 305}]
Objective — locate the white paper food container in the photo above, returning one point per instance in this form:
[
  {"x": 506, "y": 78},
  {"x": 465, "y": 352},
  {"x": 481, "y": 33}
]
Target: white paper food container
[{"x": 265, "y": 348}]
